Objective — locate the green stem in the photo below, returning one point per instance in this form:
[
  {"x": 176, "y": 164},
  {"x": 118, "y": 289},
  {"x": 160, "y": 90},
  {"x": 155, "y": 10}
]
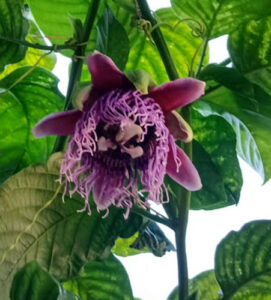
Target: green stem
[
  {"x": 54, "y": 47},
  {"x": 203, "y": 53},
  {"x": 77, "y": 64},
  {"x": 156, "y": 218},
  {"x": 159, "y": 40},
  {"x": 184, "y": 204}
]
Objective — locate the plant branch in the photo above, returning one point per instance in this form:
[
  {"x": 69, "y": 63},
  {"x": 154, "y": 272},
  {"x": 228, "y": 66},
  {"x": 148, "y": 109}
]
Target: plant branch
[
  {"x": 184, "y": 204},
  {"x": 54, "y": 47},
  {"x": 77, "y": 64}
]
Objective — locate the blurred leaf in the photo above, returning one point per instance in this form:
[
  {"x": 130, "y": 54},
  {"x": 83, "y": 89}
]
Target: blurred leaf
[
  {"x": 221, "y": 17},
  {"x": 37, "y": 225},
  {"x": 13, "y": 25},
  {"x": 215, "y": 157},
  {"x": 250, "y": 49},
  {"x": 202, "y": 287},
  {"x": 99, "y": 280},
  {"x": 33, "y": 56},
  {"x": 32, "y": 283},
  {"x": 243, "y": 262},
  {"x": 238, "y": 100},
  {"x": 181, "y": 43},
  {"x": 112, "y": 39},
  {"x": 54, "y": 21},
  {"x": 21, "y": 107}
]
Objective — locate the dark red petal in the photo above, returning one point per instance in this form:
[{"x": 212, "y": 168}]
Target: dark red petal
[
  {"x": 105, "y": 74},
  {"x": 177, "y": 93},
  {"x": 187, "y": 174},
  {"x": 62, "y": 123}
]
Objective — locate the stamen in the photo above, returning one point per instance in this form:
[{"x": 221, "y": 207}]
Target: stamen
[
  {"x": 128, "y": 129},
  {"x": 134, "y": 152},
  {"x": 105, "y": 144}
]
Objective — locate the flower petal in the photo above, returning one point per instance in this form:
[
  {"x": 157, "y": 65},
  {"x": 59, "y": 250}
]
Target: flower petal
[
  {"x": 187, "y": 174},
  {"x": 105, "y": 74},
  {"x": 177, "y": 93},
  {"x": 62, "y": 123},
  {"x": 178, "y": 127}
]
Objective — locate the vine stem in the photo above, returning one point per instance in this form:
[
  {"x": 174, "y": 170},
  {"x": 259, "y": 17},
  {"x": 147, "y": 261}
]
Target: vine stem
[
  {"x": 54, "y": 47},
  {"x": 184, "y": 203},
  {"x": 77, "y": 64}
]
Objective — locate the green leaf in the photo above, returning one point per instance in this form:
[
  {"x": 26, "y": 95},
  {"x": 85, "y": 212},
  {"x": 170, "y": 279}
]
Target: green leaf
[
  {"x": 202, "y": 287},
  {"x": 112, "y": 39},
  {"x": 22, "y": 105},
  {"x": 215, "y": 157},
  {"x": 13, "y": 26},
  {"x": 33, "y": 283},
  {"x": 250, "y": 50},
  {"x": 221, "y": 17},
  {"x": 37, "y": 225},
  {"x": 238, "y": 100},
  {"x": 99, "y": 280},
  {"x": 33, "y": 56},
  {"x": 181, "y": 43},
  {"x": 243, "y": 262}
]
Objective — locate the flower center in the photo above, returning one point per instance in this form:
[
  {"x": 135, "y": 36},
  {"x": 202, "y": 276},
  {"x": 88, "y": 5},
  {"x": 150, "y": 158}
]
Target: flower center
[{"x": 126, "y": 138}]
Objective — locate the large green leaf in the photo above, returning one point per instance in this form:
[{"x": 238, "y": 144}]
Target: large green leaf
[
  {"x": 250, "y": 50},
  {"x": 216, "y": 160},
  {"x": 99, "y": 280},
  {"x": 202, "y": 287},
  {"x": 243, "y": 262},
  {"x": 22, "y": 105},
  {"x": 37, "y": 225},
  {"x": 221, "y": 17},
  {"x": 14, "y": 26},
  {"x": 215, "y": 157},
  {"x": 238, "y": 99},
  {"x": 181, "y": 43},
  {"x": 112, "y": 39}
]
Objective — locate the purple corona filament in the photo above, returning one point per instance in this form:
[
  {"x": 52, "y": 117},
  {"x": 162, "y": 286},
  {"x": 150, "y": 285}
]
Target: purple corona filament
[{"x": 122, "y": 136}]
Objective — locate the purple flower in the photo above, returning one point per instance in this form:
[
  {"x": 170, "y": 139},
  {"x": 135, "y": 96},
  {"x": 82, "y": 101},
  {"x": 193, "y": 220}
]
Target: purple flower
[{"x": 122, "y": 139}]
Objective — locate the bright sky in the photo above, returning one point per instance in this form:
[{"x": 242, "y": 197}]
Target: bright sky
[{"x": 154, "y": 278}]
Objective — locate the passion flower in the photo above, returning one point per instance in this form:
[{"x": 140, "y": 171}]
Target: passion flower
[{"x": 123, "y": 141}]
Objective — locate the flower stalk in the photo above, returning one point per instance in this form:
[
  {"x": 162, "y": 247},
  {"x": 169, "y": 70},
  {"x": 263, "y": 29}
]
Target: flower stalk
[
  {"x": 77, "y": 64},
  {"x": 184, "y": 203}
]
